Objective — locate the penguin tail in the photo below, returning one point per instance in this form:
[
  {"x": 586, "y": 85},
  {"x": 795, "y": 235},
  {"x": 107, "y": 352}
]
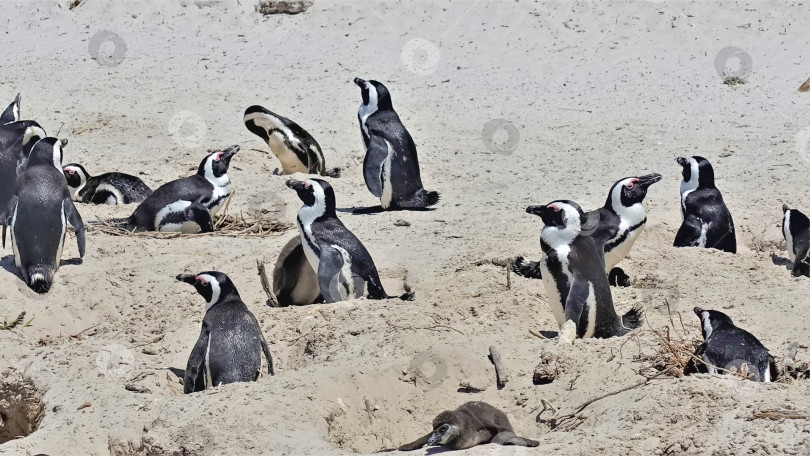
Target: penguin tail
[
  {"x": 39, "y": 280},
  {"x": 408, "y": 296},
  {"x": 633, "y": 318},
  {"x": 334, "y": 172}
]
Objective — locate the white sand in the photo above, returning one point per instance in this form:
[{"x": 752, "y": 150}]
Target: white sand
[{"x": 597, "y": 91}]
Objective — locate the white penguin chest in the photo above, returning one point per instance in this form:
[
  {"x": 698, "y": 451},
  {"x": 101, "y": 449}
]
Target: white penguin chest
[
  {"x": 789, "y": 238},
  {"x": 620, "y": 251},
  {"x": 385, "y": 176},
  {"x": 550, "y": 282},
  {"x": 307, "y": 241},
  {"x": 290, "y": 163},
  {"x": 219, "y": 197}
]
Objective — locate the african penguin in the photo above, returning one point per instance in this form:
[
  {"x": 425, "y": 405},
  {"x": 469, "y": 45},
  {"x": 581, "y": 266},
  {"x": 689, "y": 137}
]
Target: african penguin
[
  {"x": 391, "y": 166},
  {"x": 796, "y": 229},
  {"x": 229, "y": 348},
  {"x": 17, "y": 138},
  {"x": 38, "y": 214},
  {"x": 107, "y": 188},
  {"x": 727, "y": 348},
  {"x": 621, "y": 221},
  {"x": 12, "y": 111},
  {"x": 292, "y": 145},
  {"x": 343, "y": 265},
  {"x": 473, "y": 423},
  {"x": 295, "y": 283},
  {"x": 188, "y": 205},
  {"x": 573, "y": 270},
  {"x": 706, "y": 219}
]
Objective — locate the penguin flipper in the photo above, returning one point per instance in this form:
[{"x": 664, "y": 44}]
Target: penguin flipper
[
  {"x": 330, "y": 264},
  {"x": 416, "y": 444},
  {"x": 77, "y": 223},
  {"x": 575, "y": 303},
  {"x": 195, "y": 362},
  {"x": 525, "y": 268},
  {"x": 268, "y": 356},
  {"x": 688, "y": 233},
  {"x": 376, "y": 153}
]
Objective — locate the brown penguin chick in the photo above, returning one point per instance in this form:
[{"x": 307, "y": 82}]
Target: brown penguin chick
[{"x": 471, "y": 424}]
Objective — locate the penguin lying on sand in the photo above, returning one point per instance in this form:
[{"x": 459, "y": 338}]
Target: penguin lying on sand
[
  {"x": 706, "y": 219},
  {"x": 621, "y": 221},
  {"x": 573, "y": 270},
  {"x": 474, "y": 423},
  {"x": 188, "y": 205},
  {"x": 38, "y": 214},
  {"x": 796, "y": 229},
  {"x": 343, "y": 265},
  {"x": 391, "y": 166},
  {"x": 728, "y": 348},
  {"x": 231, "y": 343},
  {"x": 17, "y": 138},
  {"x": 296, "y": 149},
  {"x": 107, "y": 188}
]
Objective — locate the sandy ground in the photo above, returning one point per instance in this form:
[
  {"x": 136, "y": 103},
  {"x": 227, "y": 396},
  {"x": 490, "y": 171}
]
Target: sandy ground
[{"x": 592, "y": 92}]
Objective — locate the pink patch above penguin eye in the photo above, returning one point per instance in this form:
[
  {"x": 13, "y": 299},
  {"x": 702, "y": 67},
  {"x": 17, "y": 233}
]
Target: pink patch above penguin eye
[
  {"x": 218, "y": 156},
  {"x": 202, "y": 280},
  {"x": 306, "y": 184},
  {"x": 556, "y": 209}
]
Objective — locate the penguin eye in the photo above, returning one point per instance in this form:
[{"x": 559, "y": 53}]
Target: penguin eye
[
  {"x": 631, "y": 184},
  {"x": 218, "y": 156},
  {"x": 202, "y": 280}
]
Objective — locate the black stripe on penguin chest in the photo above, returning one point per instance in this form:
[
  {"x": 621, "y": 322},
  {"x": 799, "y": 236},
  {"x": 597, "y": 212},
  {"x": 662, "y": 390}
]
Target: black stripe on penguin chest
[
  {"x": 612, "y": 245},
  {"x": 309, "y": 238},
  {"x": 299, "y": 152}
]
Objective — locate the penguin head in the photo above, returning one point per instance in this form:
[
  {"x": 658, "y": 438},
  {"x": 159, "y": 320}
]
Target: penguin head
[
  {"x": 446, "y": 428},
  {"x": 12, "y": 112},
  {"x": 795, "y": 220},
  {"x": 564, "y": 220},
  {"x": 697, "y": 172},
  {"x": 76, "y": 177},
  {"x": 711, "y": 320},
  {"x": 48, "y": 151},
  {"x": 215, "y": 165},
  {"x": 213, "y": 286},
  {"x": 375, "y": 96},
  {"x": 259, "y": 121},
  {"x": 315, "y": 193},
  {"x": 630, "y": 191}
]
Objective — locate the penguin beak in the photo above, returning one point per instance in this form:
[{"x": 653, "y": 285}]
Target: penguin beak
[
  {"x": 294, "y": 184},
  {"x": 698, "y": 311},
  {"x": 785, "y": 208},
  {"x": 536, "y": 210},
  {"x": 190, "y": 279},
  {"x": 649, "y": 179},
  {"x": 360, "y": 83},
  {"x": 435, "y": 438},
  {"x": 229, "y": 152},
  {"x": 682, "y": 161}
]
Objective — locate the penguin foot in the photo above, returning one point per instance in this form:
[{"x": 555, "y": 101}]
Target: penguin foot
[
  {"x": 334, "y": 172},
  {"x": 568, "y": 333},
  {"x": 409, "y": 296},
  {"x": 527, "y": 269},
  {"x": 618, "y": 278}
]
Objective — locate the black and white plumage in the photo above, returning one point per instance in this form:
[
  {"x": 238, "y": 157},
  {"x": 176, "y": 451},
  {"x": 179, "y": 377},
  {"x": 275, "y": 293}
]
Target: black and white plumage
[
  {"x": 230, "y": 346},
  {"x": 706, "y": 220},
  {"x": 621, "y": 221},
  {"x": 17, "y": 138},
  {"x": 38, "y": 214},
  {"x": 108, "y": 188},
  {"x": 188, "y": 205},
  {"x": 295, "y": 283},
  {"x": 727, "y": 348},
  {"x": 573, "y": 271},
  {"x": 295, "y": 148},
  {"x": 343, "y": 265},
  {"x": 391, "y": 165},
  {"x": 473, "y": 423},
  {"x": 796, "y": 230}
]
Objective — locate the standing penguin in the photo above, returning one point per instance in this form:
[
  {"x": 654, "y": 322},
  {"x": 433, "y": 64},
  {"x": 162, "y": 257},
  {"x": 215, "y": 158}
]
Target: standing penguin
[
  {"x": 573, "y": 270},
  {"x": 726, "y": 347},
  {"x": 107, "y": 188},
  {"x": 38, "y": 215},
  {"x": 343, "y": 265},
  {"x": 391, "y": 167},
  {"x": 231, "y": 343},
  {"x": 796, "y": 229},
  {"x": 17, "y": 137},
  {"x": 621, "y": 221},
  {"x": 295, "y": 148},
  {"x": 188, "y": 205},
  {"x": 706, "y": 219}
]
